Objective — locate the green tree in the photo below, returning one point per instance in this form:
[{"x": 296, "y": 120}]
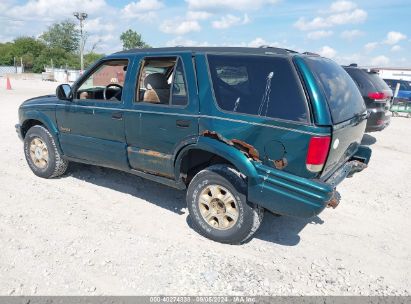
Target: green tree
[
  {"x": 27, "y": 45},
  {"x": 25, "y": 48},
  {"x": 63, "y": 35},
  {"x": 28, "y": 49},
  {"x": 90, "y": 58},
  {"x": 131, "y": 39},
  {"x": 58, "y": 56},
  {"x": 35, "y": 55},
  {"x": 7, "y": 53}
]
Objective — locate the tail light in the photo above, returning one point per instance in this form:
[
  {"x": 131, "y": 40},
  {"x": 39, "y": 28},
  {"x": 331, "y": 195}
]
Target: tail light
[
  {"x": 317, "y": 153},
  {"x": 377, "y": 95}
]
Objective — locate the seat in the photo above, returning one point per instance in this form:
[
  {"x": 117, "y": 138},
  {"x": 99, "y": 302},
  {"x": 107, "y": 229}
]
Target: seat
[{"x": 157, "y": 89}]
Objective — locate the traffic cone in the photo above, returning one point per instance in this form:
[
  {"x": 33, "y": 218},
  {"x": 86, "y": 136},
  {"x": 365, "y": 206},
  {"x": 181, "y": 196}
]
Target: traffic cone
[{"x": 8, "y": 84}]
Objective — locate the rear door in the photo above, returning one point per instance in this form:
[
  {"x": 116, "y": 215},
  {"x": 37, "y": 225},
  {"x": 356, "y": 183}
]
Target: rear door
[
  {"x": 155, "y": 129},
  {"x": 347, "y": 109}
]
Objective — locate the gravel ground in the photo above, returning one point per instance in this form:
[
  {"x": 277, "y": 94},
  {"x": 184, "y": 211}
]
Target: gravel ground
[{"x": 99, "y": 231}]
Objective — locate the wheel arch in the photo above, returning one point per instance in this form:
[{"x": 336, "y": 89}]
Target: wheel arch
[
  {"x": 214, "y": 148},
  {"x": 36, "y": 118}
]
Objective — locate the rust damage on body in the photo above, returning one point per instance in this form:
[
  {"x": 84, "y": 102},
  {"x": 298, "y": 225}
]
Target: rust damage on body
[
  {"x": 153, "y": 153},
  {"x": 334, "y": 201},
  {"x": 246, "y": 148},
  {"x": 280, "y": 164}
]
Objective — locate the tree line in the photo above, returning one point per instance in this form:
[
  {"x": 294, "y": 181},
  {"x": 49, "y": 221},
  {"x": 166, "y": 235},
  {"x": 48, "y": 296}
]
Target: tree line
[{"x": 57, "y": 46}]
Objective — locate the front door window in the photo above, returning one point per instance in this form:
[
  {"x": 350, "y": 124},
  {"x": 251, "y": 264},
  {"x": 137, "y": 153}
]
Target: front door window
[{"x": 105, "y": 83}]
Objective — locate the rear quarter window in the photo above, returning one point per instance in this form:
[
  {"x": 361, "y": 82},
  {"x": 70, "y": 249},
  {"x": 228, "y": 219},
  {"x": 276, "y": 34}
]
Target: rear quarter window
[
  {"x": 258, "y": 85},
  {"x": 342, "y": 94}
]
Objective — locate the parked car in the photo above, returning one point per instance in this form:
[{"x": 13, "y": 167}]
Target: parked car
[
  {"x": 404, "y": 93},
  {"x": 377, "y": 96},
  {"x": 243, "y": 130}
]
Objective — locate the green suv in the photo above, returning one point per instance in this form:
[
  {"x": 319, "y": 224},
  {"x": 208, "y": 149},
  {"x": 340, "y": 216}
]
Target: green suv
[{"x": 242, "y": 130}]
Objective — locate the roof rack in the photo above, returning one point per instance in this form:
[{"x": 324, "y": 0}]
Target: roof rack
[
  {"x": 265, "y": 46},
  {"x": 312, "y": 54},
  {"x": 245, "y": 50}
]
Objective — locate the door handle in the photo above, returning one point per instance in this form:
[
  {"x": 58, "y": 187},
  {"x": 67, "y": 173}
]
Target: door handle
[
  {"x": 117, "y": 115},
  {"x": 183, "y": 123}
]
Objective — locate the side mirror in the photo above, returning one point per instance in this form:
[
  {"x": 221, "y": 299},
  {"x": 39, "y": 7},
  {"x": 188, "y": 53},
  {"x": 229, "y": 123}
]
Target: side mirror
[{"x": 63, "y": 92}]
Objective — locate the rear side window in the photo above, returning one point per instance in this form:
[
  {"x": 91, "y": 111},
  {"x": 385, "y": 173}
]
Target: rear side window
[
  {"x": 162, "y": 81},
  {"x": 343, "y": 97},
  {"x": 258, "y": 85}
]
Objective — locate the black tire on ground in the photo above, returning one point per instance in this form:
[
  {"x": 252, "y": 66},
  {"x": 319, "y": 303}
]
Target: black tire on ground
[
  {"x": 249, "y": 215},
  {"x": 55, "y": 165}
]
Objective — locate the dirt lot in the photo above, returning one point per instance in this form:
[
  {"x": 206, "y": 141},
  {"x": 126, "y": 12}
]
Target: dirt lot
[{"x": 99, "y": 231}]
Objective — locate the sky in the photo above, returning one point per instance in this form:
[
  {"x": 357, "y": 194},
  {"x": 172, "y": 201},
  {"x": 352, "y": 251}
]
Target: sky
[{"x": 368, "y": 32}]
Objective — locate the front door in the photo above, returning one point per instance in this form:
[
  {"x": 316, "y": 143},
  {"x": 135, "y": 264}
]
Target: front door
[
  {"x": 163, "y": 114},
  {"x": 92, "y": 124}
]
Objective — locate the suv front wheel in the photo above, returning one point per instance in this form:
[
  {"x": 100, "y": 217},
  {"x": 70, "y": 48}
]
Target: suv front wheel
[
  {"x": 217, "y": 202},
  {"x": 41, "y": 153}
]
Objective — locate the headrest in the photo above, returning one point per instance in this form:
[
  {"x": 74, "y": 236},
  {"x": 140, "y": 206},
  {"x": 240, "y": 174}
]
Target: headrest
[{"x": 156, "y": 81}]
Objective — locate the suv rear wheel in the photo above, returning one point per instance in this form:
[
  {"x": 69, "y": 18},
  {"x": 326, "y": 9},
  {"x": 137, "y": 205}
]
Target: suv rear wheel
[
  {"x": 41, "y": 153},
  {"x": 217, "y": 202}
]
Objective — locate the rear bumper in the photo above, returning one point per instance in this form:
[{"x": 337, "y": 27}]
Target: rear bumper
[
  {"x": 284, "y": 193},
  {"x": 378, "y": 120},
  {"x": 19, "y": 131}
]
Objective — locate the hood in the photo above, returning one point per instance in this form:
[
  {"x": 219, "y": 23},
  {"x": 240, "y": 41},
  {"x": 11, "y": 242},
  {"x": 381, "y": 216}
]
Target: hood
[{"x": 45, "y": 99}]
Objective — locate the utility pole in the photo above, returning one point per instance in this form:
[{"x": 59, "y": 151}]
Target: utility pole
[{"x": 81, "y": 17}]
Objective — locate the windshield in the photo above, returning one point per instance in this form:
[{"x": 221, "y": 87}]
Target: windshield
[{"x": 341, "y": 92}]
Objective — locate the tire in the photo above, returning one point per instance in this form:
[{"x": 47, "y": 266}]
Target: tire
[
  {"x": 37, "y": 142},
  {"x": 217, "y": 222}
]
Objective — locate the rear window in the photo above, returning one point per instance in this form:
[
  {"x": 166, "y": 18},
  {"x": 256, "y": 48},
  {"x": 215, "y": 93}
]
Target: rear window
[
  {"x": 367, "y": 81},
  {"x": 258, "y": 85},
  {"x": 379, "y": 84},
  {"x": 343, "y": 97}
]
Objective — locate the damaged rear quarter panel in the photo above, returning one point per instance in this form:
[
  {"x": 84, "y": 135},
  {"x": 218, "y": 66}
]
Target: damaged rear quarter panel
[
  {"x": 288, "y": 189},
  {"x": 257, "y": 136},
  {"x": 256, "y": 131}
]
